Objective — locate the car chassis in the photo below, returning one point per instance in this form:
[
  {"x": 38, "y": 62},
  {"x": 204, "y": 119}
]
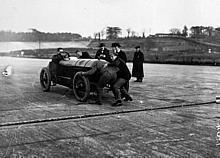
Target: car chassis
[{"x": 68, "y": 74}]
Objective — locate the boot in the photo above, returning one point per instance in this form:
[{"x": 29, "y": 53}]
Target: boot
[
  {"x": 139, "y": 80},
  {"x": 136, "y": 80},
  {"x": 128, "y": 98},
  {"x": 117, "y": 103}
]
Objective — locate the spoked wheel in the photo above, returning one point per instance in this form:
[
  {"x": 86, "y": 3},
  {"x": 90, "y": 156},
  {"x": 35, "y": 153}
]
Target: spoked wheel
[
  {"x": 45, "y": 79},
  {"x": 81, "y": 87}
]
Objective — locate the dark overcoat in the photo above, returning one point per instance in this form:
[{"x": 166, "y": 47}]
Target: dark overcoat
[
  {"x": 138, "y": 60},
  {"x": 123, "y": 72},
  {"x": 122, "y": 55}
]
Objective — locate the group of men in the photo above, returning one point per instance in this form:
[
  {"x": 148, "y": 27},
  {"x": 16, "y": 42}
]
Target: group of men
[
  {"x": 115, "y": 73},
  {"x": 138, "y": 59}
]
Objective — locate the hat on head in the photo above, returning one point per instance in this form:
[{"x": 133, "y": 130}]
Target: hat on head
[
  {"x": 137, "y": 47},
  {"x": 58, "y": 49},
  {"x": 77, "y": 51},
  {"x": 116, "y": 45},
  {"x": 101, "y": 45}
]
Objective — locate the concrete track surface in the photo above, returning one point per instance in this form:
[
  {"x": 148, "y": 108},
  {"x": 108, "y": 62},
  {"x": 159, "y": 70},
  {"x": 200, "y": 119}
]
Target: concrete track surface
[{"x": 173, "y": 114}]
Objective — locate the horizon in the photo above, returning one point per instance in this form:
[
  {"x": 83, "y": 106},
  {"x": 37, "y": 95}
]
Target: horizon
[
  {"x": 88, "y": 17},
  {"x": 125, "y": 35}
]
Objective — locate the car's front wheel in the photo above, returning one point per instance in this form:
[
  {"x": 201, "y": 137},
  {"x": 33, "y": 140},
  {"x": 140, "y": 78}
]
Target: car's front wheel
[
  {"x": 45, "y": 79},
  {"x": 81, "y": 87}
]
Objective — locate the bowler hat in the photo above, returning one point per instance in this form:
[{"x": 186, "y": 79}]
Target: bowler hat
[
  {"x": 58, "y": 49},
  {"x": 101, "y": 45},
  {"x": 116, "y": 45},
  {"x": 137, "y": 47}
]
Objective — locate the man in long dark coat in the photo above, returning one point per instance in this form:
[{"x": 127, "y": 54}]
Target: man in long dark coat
[{"x": 138, "y": 60}]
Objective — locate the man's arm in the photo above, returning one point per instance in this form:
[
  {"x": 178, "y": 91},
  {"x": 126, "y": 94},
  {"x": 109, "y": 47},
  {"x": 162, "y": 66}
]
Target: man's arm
[
  {"x": 90, "y": 72},
  {"x": 108, "y": 58},
  {"x": 115, "y": 62},
  {"x": 57, "y": 58},
  {"x": 97, "y": 55}
]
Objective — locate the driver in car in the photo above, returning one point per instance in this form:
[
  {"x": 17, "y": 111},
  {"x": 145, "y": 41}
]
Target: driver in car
[{"x": 61, "y": 55}]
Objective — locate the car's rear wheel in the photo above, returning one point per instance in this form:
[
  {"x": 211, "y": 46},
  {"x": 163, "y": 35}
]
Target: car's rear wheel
[
  {"x": 81, "y": 87},
  {"x": 45, "y": 79}
]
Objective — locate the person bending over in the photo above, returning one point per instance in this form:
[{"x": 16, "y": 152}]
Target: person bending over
[
  {"x": 107, "y": 73},
  {"x": 123, "y": 76}
]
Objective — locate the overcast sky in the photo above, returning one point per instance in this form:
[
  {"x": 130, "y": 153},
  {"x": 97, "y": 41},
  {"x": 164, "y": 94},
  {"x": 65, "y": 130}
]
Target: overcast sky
[{"x": 88, "y": 16}]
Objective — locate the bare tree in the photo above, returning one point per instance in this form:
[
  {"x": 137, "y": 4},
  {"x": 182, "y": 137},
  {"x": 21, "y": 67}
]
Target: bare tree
[
  {"x": 133, "y": 33},
  {"x": 99, "y": 35},
  {"x": 95, "y": 35},
  {"x": 128, "y": 31},
  {"x": 102, "y": 33},
  {"x": 175, "y": 31},
  {"x": 143, "y": 34},
  {"x": 185, "y": 31}
]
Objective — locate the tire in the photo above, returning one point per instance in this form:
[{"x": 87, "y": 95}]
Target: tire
[
  {"x": 45, "y": 79},
  {"x": 81, "y": 87}
]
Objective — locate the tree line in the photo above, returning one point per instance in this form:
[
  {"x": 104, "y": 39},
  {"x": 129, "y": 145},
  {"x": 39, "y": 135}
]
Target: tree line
[
  {"x": 194, "y": 32},
  {"x": 199, "y": 32},
  {"x": 35, "y": 36},
  {"x": 204, "y": 33}
]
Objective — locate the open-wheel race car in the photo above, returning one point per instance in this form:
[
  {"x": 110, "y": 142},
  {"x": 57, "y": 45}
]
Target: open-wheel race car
[{"x": 69, "y": 75}]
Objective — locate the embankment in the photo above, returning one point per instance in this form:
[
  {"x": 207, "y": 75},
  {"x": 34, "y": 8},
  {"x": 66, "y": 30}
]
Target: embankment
[{"x": 164, "y": 50}]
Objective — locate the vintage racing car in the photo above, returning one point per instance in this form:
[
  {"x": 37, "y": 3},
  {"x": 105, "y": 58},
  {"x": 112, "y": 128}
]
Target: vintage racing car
[{"x": 69, "y": 75}]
